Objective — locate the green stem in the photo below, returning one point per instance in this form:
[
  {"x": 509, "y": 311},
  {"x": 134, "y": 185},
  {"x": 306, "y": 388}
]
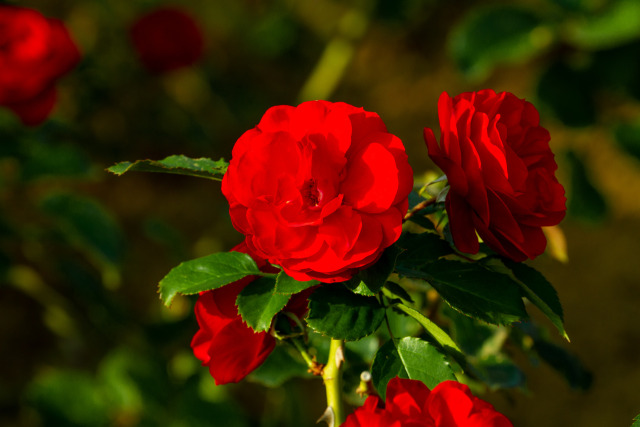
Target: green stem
[
  {"x": 332, "y": 381},
  {"x": 305, "y": 355}
]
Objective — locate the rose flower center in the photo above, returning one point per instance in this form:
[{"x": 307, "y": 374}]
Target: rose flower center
[{"x": 310, "y": 193}]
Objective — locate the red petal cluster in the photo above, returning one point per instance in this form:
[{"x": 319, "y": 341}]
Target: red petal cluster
[
  {"x": 319, "y": 189},
  {"x": 34, "y": 53},
  {"x": 410, "y": 403},
  {"x": 224, "y": 343},
  {"x": 501, "y": 173},
  {"x": 167, "y": 39}
]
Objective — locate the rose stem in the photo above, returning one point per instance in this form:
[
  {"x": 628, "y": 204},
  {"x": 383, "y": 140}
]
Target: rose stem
[{"x": 332, "y": 381}]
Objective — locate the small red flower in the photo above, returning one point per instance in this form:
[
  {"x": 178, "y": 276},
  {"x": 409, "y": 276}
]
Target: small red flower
[
  {"x": 319, "y": 189},
  {"x": 34, "y": 53},
  {"x": 410, "y": 403},
  {"x": 501, "y": 173},
  {"x": 224, "y": 343},
  {"x": 167, "y": 39}
]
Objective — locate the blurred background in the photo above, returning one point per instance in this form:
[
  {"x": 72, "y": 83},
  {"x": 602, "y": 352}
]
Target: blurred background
[{"x": 84, "y": 339}]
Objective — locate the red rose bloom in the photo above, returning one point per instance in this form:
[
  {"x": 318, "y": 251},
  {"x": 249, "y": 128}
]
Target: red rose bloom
[
  {"x": 410, "y": 403},
  {"x": 319, "y": 189},
  {"x": 167, "y": 39},
  {"x": 501, "y": 173},
  {"x": 224, "y": 343},
  {"x": 34, "y": 53}
]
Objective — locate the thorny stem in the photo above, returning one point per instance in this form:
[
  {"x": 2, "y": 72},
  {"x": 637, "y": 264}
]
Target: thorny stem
[{"x": 332, "y": 381}]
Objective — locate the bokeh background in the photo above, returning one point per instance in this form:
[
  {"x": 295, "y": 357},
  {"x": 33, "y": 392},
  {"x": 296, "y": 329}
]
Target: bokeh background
[{"x": 84, "y": 339}]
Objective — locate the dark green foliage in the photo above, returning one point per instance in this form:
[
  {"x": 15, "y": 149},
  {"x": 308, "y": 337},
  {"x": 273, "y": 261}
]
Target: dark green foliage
[
  {"x": 409, "y": 358},
  {"x": 177, "y": 164},
  {"x": 341, "y": 314},
  {"x": 206, "y": 273},
  {"x": 258, "y": 303}
]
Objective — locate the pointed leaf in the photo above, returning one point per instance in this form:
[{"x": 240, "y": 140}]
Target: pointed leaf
[
  {"x": 375, "y": 276},
  {"x": 285, "y": 284},
  {"x": 393, "y": 290},
  {"x": 341, "y": 314},
  {"x": 472, "y": 289},
  {"x": 177, "y": 164},
  {"x": 421, "y": 248},
  {"x": 540, "y": 292},
  {"x": 432, "y": 329},
  {"x": 410, "y": 358},
  {"x": 258, "y": 303},
  {"x": 206, "y": 273}
]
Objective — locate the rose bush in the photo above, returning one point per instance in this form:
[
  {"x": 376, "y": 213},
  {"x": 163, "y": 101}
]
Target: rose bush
[
  {"x": 319, "y": 189},
  {"x": 411, "y": 403},
  {"x": 224, "y": 343},
  {"x": 501, "y": 173},
  {"x": 167, "y": 39},
  {"x": 35, "y": 52}
]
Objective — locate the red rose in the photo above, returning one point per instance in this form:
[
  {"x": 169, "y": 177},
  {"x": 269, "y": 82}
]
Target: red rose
[
  {"x": 34, "y": 53},
  {"x": 410, "y": 403},
  {"x": 501, "y": 173},
  {"x": 167, "y": 39},
  {"x": 319, "y": 189},
  {"x": 224, "y": 343}
]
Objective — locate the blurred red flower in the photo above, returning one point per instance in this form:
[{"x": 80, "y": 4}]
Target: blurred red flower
[
  {"x": 501, "y": 173},
  {"x": 167, "y": 39},
  {"x": 224, "y": 343},
  {"x": 34, "y": 53},
  {"x": 319, "y": 189},
  {"x": 410, "y": 403}
]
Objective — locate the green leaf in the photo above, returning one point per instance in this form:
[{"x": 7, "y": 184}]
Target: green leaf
[
  {"x": 341, "y": 314},
  {"x": 258, "y": 303},
  {"x": 540, "y": 292},
  {"x": 613, "y": 26},
  {"x": 585, "y": 201},
  {"x": 432, "y": 329},
  {"x": 177, "y": 164},
  {"x": 496, "y": 35},
  {"x": 375, "y": 276},
  {"x": 470, "y": 334},
  {"x": 87, "y": 225},
  {"x": 393, "y": 290},
  {"x": 637, "y": 421},
  {"x": 279, "y": 367},
  {"x": 499, "y": 373},
  {"x": 473, "y": 290},
  {"x": 359, "y": 287},
  {"x": 409, "y": 358},
  {"x": 206, "y": 273},
  {"x": 289, "y": 286},
  {"x": 421, "y": 248}
]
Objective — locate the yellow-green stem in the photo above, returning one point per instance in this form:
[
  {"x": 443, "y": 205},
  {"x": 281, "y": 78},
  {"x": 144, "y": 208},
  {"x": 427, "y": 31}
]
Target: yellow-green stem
[
  {"x": 305, "y": 355},
  {"x": 333, "y": 381}
]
